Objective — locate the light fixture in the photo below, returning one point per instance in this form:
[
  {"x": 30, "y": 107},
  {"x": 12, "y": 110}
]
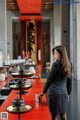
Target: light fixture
[
  {"x": 8, "y": 56},
  {"x": 39, "y": 55}
]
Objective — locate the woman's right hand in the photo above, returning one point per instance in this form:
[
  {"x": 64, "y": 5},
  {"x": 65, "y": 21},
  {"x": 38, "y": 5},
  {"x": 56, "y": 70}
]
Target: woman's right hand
[{"x": 41, "y": 94}]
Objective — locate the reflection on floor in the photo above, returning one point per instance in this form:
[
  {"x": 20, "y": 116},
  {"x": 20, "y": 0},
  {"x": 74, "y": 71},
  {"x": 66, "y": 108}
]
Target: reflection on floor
[{"x": 73, "y": 112}]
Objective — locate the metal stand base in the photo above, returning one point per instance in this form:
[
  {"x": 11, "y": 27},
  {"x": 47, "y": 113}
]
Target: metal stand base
[{"x": 22, "y": 92}]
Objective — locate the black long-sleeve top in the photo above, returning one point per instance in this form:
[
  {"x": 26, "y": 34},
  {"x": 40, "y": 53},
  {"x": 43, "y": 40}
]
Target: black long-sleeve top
[{"x": 57, "y": 82}]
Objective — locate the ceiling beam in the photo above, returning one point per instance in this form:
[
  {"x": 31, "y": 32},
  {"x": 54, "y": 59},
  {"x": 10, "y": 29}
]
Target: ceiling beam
[{"x": 12, "y": 5}]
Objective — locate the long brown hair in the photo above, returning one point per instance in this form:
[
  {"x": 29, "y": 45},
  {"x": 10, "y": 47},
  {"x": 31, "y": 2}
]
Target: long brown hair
[{"x": 66, "y": 66}]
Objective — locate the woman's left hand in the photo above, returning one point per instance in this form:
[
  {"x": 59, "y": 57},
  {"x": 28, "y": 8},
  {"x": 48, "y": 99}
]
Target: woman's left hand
[{"x": 68, "y": 97}]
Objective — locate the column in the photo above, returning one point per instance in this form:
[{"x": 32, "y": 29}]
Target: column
[
  {"x": 57, "y": 23},
  {"x": 3, "y": 28},
  {"x": 78, "y": 39}
]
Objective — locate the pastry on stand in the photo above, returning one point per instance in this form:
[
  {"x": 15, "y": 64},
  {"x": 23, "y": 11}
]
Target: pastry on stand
[{"x": 18, "y": 106}]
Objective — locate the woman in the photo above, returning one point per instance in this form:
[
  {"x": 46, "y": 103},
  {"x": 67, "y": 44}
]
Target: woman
[{"x": 59, "y": 83}]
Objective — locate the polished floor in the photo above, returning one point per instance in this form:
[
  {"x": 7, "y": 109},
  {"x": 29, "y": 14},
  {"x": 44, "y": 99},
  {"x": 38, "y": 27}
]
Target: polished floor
[{"x": 73, "y": 111}]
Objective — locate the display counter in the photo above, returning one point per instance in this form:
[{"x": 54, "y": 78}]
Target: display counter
[{"x": 38, "y": 112}]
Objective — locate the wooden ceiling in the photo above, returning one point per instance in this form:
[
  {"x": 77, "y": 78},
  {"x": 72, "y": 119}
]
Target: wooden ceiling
[
  {"x": 12, "y": 5},
  {"x": 46, "y": 5}
]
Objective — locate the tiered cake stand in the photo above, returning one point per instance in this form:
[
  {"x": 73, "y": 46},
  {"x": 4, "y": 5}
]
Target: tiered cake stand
[{"x": 18, "y": 106}]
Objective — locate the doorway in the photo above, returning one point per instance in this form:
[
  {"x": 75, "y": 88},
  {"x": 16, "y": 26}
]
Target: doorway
[
  {"x": 45, "y": 42},
  {"x": 16, "y": 39}
]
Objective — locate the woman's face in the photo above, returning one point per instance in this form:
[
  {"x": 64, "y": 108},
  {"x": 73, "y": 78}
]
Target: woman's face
[{"x": 56, "y": 55}]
